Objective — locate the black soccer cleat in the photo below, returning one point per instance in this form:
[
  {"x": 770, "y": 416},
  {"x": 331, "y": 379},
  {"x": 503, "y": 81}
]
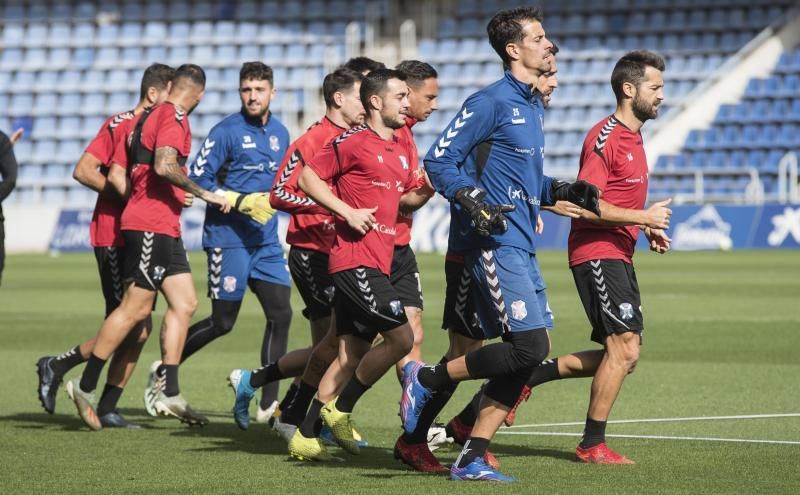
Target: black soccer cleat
[
  {"x": 114, "y": 419},
  {"x": 48, "y": 383}
]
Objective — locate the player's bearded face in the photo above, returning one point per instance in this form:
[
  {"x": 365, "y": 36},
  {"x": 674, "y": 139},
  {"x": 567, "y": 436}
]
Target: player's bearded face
[
  {"x": 534, "y": 49},
  {"x": 423, "y": 99},
  {"x": 256, "y": 96},
  {"x": 352, "y": 108},
  {"x": 548, "y": 83},
  {"x": 395, "y": 104},
  {"x": 649, "y": 95}
]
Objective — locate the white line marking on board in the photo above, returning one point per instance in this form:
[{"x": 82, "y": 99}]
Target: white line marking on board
[
  {"x": 665, "y": 420},
  {"x": 653, "y": 437}
]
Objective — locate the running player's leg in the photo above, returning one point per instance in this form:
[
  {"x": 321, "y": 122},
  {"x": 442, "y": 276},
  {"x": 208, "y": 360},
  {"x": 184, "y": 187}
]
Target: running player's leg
[{"x": 405, "y": 280}]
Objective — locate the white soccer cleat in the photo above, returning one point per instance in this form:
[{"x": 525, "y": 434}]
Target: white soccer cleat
[
  {"x": 154, "y": 385},
  {"x": 264, "y": 415},
  {"x": 437, "y": 437}
]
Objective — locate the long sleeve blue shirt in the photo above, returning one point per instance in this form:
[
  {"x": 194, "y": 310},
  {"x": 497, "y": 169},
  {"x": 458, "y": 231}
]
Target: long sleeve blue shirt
[{"x": 495, "y": 143}]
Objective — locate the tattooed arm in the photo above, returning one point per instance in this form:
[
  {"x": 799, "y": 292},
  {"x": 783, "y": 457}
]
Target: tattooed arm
[{"x": 166, "y": 166}]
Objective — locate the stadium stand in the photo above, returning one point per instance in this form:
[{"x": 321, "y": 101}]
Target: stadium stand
[{"x": 64, "y": 65}]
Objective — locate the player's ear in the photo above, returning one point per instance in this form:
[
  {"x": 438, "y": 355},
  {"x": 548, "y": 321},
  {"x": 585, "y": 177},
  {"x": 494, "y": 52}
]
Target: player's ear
[
  {"x": 338, "y": 98},
  {"x": 629, "y": 89},
  {"x": 512, "y": 50},
  {"x": 375, "y": 102}
]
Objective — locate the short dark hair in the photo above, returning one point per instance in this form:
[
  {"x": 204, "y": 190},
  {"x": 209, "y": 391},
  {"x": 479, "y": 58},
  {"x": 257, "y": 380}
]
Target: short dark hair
[
  {"x": 342, "y": 79},
  {"x": 190, "y": 72},
  {"x": 631, "y": 67},
  {"x": 506, "y": 27},
  {"x": 375, "y": 82},
  {"x": 256, "y": 71},
  {"x": 416, "y": 72},
  {"x": 363, "y": 64},
  {"x": 155, "y": 76}
]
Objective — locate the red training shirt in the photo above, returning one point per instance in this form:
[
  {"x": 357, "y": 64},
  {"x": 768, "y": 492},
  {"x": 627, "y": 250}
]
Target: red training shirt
[
  {"x": 104, "y": 229},
  {"x": 155, "y": 205},
  {"x": 403, "y": 237},
  {"x": 612, "y": 159},
  {"x": 367, "y": 171},
  {"x": 310, "y": 225}
]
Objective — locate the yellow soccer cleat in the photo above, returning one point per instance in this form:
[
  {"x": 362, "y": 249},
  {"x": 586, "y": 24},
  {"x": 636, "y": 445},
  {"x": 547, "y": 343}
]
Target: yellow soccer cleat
[
  {"x": 341, "y": 426},
  {"x": 308, "y": 449}
]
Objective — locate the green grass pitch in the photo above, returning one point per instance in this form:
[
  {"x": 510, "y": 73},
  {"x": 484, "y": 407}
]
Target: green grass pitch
[{"x": 722, "y": 339}]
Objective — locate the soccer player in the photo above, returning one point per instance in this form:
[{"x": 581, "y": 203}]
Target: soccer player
[
  {"x": 152, "y": 175},
  {"x": 310, "y": 234},
  {"x": 601, "y": 247},
  {"x": 8, "y": 172},
  {"x": 238, "y": 160},
  {"x": 369, "y": 168},
  {"x": 106, "y": 238},
  {"x": 489, "y": 155}
]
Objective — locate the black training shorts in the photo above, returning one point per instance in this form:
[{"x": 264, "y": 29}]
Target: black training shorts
[{"x": 366, "y": 303}]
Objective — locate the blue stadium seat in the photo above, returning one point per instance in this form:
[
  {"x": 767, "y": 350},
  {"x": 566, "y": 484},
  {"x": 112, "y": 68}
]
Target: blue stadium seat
[
  {"x": 246, "y": 32},
  {"x": 93, "y": 104},
  {"x": 44, "y": 103},
  {"x": 130, "y": 33},
  {"x": 43, "y": 151},
  {"x": 178, "y": 55},
  {"x": 224, "y": 31},
  {"x": 118, "y": 102},
  {"x": 222, "y": 55},
  {"x": 68, "y": 104},
  {"x": 54, "y": 195}
]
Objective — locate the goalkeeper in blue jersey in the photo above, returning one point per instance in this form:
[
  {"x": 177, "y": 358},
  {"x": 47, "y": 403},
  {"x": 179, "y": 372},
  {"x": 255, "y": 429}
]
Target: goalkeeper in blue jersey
[
  {"x": 238, "y": 160},
  {"x": 489, "y": 163}
]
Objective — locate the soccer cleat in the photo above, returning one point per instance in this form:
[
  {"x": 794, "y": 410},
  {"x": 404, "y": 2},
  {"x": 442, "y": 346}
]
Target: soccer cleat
[
  {"x": 114, "y": 419},
  {"x": 461, "y": 432},
  {"x": 239, "y": 380},
  {"x": 418, "y": 456},
  {"x": 48, "y": 383},
  {"x": 264, "y": 415},
  {"x": 600, "y": 454},
  {"x": 327, "y": 438},
  {"x": 437, "y": 436},
  {"x": 154, "y": 385},
  {"x": 177, "y": 406},
  {"x": 478, "y": 470},
  {"x": 414, "y": 396},
  {"x": 284, "y": 430},
  {"x": 341, "y": 426},
  {"x": 308, "y": 449},
  {"x": 85, "y": 403},
  {"x": 512, "y": 414}
]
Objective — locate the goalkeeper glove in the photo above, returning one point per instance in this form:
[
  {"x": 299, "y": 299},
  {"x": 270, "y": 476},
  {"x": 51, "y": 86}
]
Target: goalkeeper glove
[
  {"x": 579, "y": 193},
  {"x": 485, "y": 217},
  {"x": 255, "y": 205}
]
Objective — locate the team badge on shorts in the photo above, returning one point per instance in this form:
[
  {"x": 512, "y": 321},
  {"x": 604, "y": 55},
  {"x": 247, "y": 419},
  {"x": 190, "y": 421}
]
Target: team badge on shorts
[
  {"x": 518, "y": 310},
  {"x": 397, "y": 307},
  {"x": 229, "y": 283},
  {"x": 158, "y": 272},
  {"x": 274, "y": 145},
  {"x": 329, "y": 292},
  {"x": 626, "y": 311}
]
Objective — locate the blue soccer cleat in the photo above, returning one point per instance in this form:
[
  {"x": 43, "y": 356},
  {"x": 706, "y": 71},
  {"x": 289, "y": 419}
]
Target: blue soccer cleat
[
  {"x": 478, "y": 470},
  {"x": 244, "y": 393},
  {"x": 414, "y": 398}
]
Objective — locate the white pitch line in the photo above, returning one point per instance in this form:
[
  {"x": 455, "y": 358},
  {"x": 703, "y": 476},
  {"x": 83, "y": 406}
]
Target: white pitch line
[
  {"x": 665, "y": 420},
  {"x": 654, "y": 437}
]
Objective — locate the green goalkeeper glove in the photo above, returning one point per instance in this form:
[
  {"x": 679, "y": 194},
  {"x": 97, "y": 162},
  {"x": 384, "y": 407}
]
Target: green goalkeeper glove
[{"x": 255, "y": 205}]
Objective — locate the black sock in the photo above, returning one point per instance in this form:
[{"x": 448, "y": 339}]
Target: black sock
[
  {"x": 91, "y": 374},
  {"x": 428, "y": 414},
  {"x": 65, "y": 362},
  {"x": 296, "y": 410},
  {"x": 288, "y": 398},
  {"x": 594, "y": 433},
  {"x": 434, "y": 377},
  {"x": 350, "y": 395},
  {"x": 109, "y": 399},
  {"x": 473, "y": 448},
  {"x": 469, "y": 414},
  {"x": 545, "y": 372},
  {"x": 266, "y": 374},
  {"x": 198, "y": 336},
  {"x": 312, "y": 424},
  {"x": 170, "y": 374}
]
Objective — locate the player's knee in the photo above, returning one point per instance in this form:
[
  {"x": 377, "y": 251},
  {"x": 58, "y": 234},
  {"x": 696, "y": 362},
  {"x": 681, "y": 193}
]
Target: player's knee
[
  {"x": 528, "y": 349},
  {"x": 402, "y": 340},
  {"x": 223, "y": 315}
]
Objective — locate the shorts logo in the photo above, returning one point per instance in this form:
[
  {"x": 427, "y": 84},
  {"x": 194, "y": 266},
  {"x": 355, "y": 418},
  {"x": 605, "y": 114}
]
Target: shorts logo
[
  {"x": 229, "y": 283},
  {"x": 626, "y": 311},
  {"x": 397, "y": 307},
  {"x": 329, "y": 292},
  {"x": 274, "y": 144},
  {"x": 518, "y": 310},
  {"x": 158, "y": 273}
]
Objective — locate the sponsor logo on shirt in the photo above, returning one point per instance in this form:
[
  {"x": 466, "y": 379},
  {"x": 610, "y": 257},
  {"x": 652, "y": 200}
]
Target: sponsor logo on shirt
[
  {"x": 385, "y": 185},
  {"x": 515, "y": 118},
  {"x": 274, "y": 144},
  {"x": 273, "y": 166},
  {"x": 404, "y": 161},
  {"x": 247, "y": 142},
  {"x": 521, "y": 195},
  {"x": 384, "y": 229},
  {"x": 399, "y": 185},
  {"x": 259, "y": 167},
  {"x": 636, "y": 180}
]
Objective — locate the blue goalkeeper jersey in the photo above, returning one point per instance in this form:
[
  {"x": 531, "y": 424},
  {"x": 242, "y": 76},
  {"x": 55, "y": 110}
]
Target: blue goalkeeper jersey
[
  {"x": 495, "y": 143},
  {"x": 239, "y": 154}
]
